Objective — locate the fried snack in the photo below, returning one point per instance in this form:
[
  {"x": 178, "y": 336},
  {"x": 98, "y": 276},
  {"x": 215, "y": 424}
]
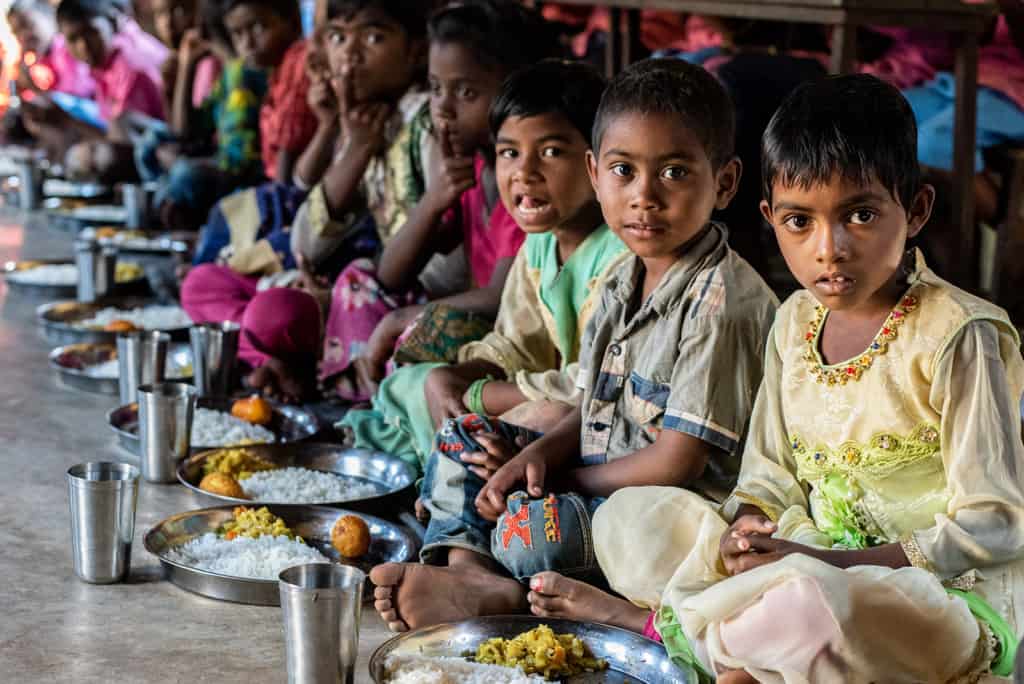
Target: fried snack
[
  {"x": 126, "y": 272},
  {"x": 541, "y": 651},
  {"x": 105, "y": 232},
  {"x": 222, "y": 484},
  {"x": 351, "y": 536},
  {"x": 238, "y": 463},
  {"x": 249, "y": 522},
  {"x": 255, "y": 410},
  {"x": 120, "y": 326}
]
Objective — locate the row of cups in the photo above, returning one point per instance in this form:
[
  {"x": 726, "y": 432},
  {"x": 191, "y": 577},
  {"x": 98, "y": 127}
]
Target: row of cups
[{"x": 321, "y": 602}]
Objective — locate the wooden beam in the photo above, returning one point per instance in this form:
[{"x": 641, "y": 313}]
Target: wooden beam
[{"x": 964, "y": 139}]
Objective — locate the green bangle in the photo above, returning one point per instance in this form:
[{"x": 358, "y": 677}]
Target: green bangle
[{"x": 475, "y": 396}]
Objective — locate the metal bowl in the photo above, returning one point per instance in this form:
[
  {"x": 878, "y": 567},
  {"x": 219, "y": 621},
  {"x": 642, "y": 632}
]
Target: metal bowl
[
  {"x": 71, "y": 361},
  {"x": 290, "y": 424},
  {"x": 631, "y": 657},
  {"x": 386, "y": 473},
  {"x": 390, "y": 543},
  {"x": 143, "y": 242},
  {"x": 58, "y": 187},
  {"x": 135, "y": 286},
  {"x": 86, "y": 214},
  {"x": 58, "y": 321}
]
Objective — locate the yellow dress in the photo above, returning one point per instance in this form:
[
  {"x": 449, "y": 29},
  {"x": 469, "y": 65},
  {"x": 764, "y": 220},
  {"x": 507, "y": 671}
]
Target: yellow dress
[{"x": 917, "y": 441}]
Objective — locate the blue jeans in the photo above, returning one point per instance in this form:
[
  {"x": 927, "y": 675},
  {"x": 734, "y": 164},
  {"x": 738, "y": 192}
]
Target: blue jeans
[{"x": 533, "y": 535}]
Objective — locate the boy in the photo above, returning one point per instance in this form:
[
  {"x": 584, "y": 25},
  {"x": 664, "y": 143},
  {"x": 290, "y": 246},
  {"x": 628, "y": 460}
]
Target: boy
[{"x": 668, "y": 366}]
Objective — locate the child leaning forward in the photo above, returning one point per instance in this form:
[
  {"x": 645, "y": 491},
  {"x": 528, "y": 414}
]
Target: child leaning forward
[{"x": 668, "y": 368}]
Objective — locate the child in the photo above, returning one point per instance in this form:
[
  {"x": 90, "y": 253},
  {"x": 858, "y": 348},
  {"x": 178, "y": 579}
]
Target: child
[
  {"x": 46, "y": 64},
  {"x": 668, "y": 367},
  {"x": 878, "y": 524},
  {"x": 541, "y": 122},
  {"x": 473, "y": 47},
  {"x": 385, "y": 40}
]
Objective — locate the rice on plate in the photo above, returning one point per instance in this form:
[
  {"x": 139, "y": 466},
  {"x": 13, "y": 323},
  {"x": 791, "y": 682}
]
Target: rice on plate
[
  {"x": 260, "y": 558},
  {"x": 417, "y": 669},
  {"x": 146, "y": 318},
  {"x": 110, "y": 370},
  {"x": 212, "y": 428},
  {"x": 302, "y": 485}
]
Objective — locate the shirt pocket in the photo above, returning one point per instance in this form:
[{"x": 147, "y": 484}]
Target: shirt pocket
[{"x": 647, "y": 400}]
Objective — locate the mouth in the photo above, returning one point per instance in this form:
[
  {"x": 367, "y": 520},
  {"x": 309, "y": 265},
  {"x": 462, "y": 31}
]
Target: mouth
[
  {"x": 835, "y": 284},
  {"x": 643, "y": 230},
  {"x": 532, "y": 208}
]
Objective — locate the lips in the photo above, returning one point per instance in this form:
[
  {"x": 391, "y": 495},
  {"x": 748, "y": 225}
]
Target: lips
[
  {"x": 835, "y": 284},
  {"x": 532, "y": 207},
  {"x": 643, "y": 230}
]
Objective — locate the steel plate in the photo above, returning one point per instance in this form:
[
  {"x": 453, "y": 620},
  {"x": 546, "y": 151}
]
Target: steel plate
[
  {"x": 71, "y": 361},
  {"x": 57, "y": 321},
  {"x": 136, "y": 286},
  {"x": 389, "y": 543},
  {"x": 139, "y": 241}
]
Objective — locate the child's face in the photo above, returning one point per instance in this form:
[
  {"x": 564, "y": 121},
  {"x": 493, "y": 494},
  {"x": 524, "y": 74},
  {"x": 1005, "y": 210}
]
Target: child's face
[
  {"x": 461, "y": 93},
  {"x": 89, "y": 41},
  {"x": 656, "y": 184},
  {"x": 374, "y": 52},
  {"x": 32, "y": 30},
  {"x": 259, "y": 35},
  {"x": 539, "y": 167},
  {"x": 844, "y": 242},
  {"x": 172, "y": 18}
]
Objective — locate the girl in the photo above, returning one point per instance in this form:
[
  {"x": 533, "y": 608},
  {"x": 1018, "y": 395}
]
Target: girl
[
  {"x": 46, "y": 64},
  {"x": 877, "y": 525},
  {"x": 541, "y": 122}
]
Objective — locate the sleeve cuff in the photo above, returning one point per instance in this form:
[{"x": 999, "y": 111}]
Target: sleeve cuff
[
  {"x": 703, "y": 429},
  {"x": 914, "y": 554}
]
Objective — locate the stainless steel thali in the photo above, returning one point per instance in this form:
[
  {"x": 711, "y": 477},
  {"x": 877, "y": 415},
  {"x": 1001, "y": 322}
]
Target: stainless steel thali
[
  {"x": 386, "y": 473},
  {"x": 389, "y": 543},
  {"x": 59, "y": 187},
  {"x": 58, "y": 320},
  {"x": 142, "y": 242},
  {"x": 290, "y": 424},
  {"x": 631, "y": 657},
  {"x": 71, "y": 361},
  {"x": 127, "y": 287}
]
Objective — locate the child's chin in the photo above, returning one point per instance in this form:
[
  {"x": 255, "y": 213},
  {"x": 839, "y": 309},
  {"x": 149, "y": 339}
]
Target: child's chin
[{"x": 535, "y": 230}]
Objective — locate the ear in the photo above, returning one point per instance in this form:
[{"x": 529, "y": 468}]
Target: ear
[
  {"x": 727, "y": 182},
  {"x": 920, "y": 210},
  {"x": 592, "y": 171},
  {"x": 766, "y": 211}
]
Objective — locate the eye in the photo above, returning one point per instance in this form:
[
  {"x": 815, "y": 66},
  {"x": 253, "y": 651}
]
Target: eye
[
  {"x": 550, "y": 152},
  {"x": 508, "y": 153},
  {"x": 622, "y": 170},
  {"x": 797, "y": 223},
  {"x": 466, "y": 93},
  {"x": 374, "y": 38},
  {"x": 435, "y": 88},
  {"x": 862, "y": 217},
  {"x": 336, "y": 37},
  {"x": 673, "y": 173}
]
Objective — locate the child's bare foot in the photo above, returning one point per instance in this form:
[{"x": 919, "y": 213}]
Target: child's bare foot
[
  {"x": 410, "y": 595},
  {"x": 422, "y": 512},
  {"x": 275, "y": 380},
  {"x": 556, "y": 596},
  {"x": 735, "y": 677}
]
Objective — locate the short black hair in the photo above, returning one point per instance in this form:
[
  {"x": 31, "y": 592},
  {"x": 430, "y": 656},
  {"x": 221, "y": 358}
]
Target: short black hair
[
  {"x": 572, "y": 89},
  {"x": 79, "y": 11},
  {"x": 411, "y": 15},
  {"x": 501, "y": 34},
  {"x": 286, "y": 9},
  {"x": 673, "y": 86},
  {"x": 858, "y": 125}
]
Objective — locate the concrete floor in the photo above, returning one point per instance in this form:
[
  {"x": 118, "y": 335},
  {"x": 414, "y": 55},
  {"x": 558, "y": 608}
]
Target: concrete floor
[{"x": 54, "y": 627}]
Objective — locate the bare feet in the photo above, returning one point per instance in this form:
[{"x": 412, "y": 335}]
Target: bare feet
[
  {"x": 410, "y": 595},
  {"x": 275, "y": 380},
  {"x": 422, "y": 512},
  {"x": 556, "y": 596},
  {"x": 735, "y": 677}
]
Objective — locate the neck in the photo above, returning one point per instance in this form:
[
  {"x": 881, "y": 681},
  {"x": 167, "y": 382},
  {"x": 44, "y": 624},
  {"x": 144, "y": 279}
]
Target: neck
[{"x": 571, "y": 234}]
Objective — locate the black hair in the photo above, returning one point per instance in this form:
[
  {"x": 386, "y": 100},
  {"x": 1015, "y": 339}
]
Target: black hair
[
  {"x": 212, "y": 24},
  {"x": 572, "y": 89},
  {"x": 676, "y": 87},
  {"x": 411, "y": 15},
  {"x": 501, "y": 34},
  {"x": 286, "y": 9},
  {"x": 81, "y": 11},
  {"x": 858, "y": 125}
]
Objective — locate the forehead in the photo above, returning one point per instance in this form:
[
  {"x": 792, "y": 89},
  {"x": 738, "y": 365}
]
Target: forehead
[
  {"x": 651, "y": 136},
  {"x": 825, "y": 195},
  {"x": 244, "y": 14},
  {"x": 456, "y": 61},
  {"x": 75, "y": 27},
  {"x": 524, "y": 129},
  {"x": 364, "y": 18}
]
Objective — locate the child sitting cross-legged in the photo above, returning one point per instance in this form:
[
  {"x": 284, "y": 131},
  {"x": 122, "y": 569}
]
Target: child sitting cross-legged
[
  {"x": 668, "y": 368},
  {"x": 877, "y": 529}
]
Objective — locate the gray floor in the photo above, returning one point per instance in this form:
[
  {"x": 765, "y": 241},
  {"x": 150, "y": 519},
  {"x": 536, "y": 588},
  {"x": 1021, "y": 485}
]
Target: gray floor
[{"x": 54, "y": 627}]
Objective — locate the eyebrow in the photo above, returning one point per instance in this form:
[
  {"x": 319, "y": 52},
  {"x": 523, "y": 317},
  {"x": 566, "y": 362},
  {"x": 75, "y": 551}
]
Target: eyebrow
[{"x": 861, "y": 198}]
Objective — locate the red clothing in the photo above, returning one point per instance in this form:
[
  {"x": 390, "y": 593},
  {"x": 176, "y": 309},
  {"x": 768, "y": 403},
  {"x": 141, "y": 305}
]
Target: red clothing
[
  {"x": 58, "y": 71},
  {"x": 131, "y": 79},
  {"x": 1001, "y": 66},
  {"x": 286, "y": 121}
]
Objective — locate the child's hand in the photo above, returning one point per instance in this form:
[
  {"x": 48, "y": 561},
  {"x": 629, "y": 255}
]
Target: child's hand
[
  {"x": 497, "y": 452},
  {"x": 192, "y": 48},
  {"x": 444, "y": 390},
  {"x": 370, "y": 367},
  {"x": 453, "y": 173},
  {"x": 528, "y": 466},
  {"x": 322, "y": 102},
  {"x": 362, "y": 124},
  {"x": 737, "y": 546}
]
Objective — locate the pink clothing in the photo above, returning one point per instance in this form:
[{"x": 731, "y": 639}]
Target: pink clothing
[
  {"x": 915, "y": 57},
  {"x": 649, "y": 630},
  {"x": 659, "y": 30},
  {"x": 282, "y": 323},
  {"x": 207, "y": 73},
  {"x": 486, "y": 238},
  {"x": 131, "y": 79},
  {"x": 65, "y": 73},
  {"x": 1001, "y": 66}
]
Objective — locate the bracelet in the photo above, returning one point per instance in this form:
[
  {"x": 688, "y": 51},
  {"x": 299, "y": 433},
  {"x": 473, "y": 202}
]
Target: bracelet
[{"x": 475, "y": 396}]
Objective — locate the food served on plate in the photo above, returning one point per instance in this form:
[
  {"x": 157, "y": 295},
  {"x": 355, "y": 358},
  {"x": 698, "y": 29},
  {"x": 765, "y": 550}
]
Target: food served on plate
[
  {"x": 143, "y": 318},
  {"x": 255, "y": 410},
  {"x": 66, "y": 275},
  {"x": 254, "y": 544},
  {"x": 222, "y": 484},
  {"x": 351, "y": 536},
  {"x": 417, "y": 669},
  {"x": 541, "y": 651},
  {"x": 212, "y": 428},
  {"x": 121, "y": 326},
  {"x": 262, "y": 480},
  {"x": 110, "y": 370}
]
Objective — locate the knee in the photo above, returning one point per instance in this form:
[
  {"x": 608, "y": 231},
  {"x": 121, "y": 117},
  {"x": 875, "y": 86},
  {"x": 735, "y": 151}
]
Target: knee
[
  {"x": 287, "y": 307},
  {"x": 199, "y": 283}
]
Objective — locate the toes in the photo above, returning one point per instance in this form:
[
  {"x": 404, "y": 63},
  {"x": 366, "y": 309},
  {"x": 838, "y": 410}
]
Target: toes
[
  {"x": 398, "y": 627},
  {"x": 388, "y": 574},
  {"x": 553, "y": 584},
  {"x": 548, "y": 604},
  {"x": 384, "y": 606},
  {"x": 390, "y": 616},
  {"x": 382, "y": 593}
]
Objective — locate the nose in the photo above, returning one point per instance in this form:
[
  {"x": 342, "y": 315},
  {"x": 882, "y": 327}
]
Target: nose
[
  {"x": 351, "y": 53},
  {"x": 246, "y": 42},
  {"x": 645, "y": 195},
  {"x": 443, "y": 106},
  {"x": 833, "y": 244},
  {"x": 526, "y": 168}
]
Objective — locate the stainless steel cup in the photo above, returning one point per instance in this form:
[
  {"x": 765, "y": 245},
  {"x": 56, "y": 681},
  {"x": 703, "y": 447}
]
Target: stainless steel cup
[
  {"x": 97, "y": 266},
  {"x": 102, "y": 498},
  {"x": 136, "y": 205},
  {"x": 214, "y": 353},
  {"x": 141, "y": 360},
  {"x": 165, "y": 428},
  {"x": 321, "y": 603},
  {"x": 30, "y": 184}
]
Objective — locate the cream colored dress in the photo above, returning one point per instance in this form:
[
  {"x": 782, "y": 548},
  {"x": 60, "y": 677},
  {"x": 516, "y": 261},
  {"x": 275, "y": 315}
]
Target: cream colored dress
[{"x": 917, "y": 442}]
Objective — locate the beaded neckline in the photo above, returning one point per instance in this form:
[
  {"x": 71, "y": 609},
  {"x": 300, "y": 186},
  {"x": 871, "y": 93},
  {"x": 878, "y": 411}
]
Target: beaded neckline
[{"x": 851, "y": 370}]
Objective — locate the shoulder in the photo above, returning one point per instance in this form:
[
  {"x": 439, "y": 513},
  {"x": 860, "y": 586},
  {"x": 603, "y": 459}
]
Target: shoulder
[{"x": 728, "y": 288}]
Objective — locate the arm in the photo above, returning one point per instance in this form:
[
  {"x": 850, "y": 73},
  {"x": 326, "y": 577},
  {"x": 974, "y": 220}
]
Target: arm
[
  {"x": 316, "y": 158},
  {"x": 285, "y": 164},
  {"x": 193, "y": 48}
]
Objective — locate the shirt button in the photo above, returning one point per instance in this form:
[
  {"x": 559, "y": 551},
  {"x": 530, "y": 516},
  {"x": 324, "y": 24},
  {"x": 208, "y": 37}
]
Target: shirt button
[
  {"x": 614, "y": 350},
  {"x": 599, "y": 427}
]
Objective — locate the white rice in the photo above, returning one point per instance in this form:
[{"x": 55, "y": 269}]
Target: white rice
[
  {"x": 305, "y": 486},
  {"x": 147, "y": 318},
  {"x": 218, "y": 429},
  {"x": 48, "y": 274},
  {"x": 417, "y": 669},
  {"x": 109, "y": 370},
  {"x": 261, "y": 558}
]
